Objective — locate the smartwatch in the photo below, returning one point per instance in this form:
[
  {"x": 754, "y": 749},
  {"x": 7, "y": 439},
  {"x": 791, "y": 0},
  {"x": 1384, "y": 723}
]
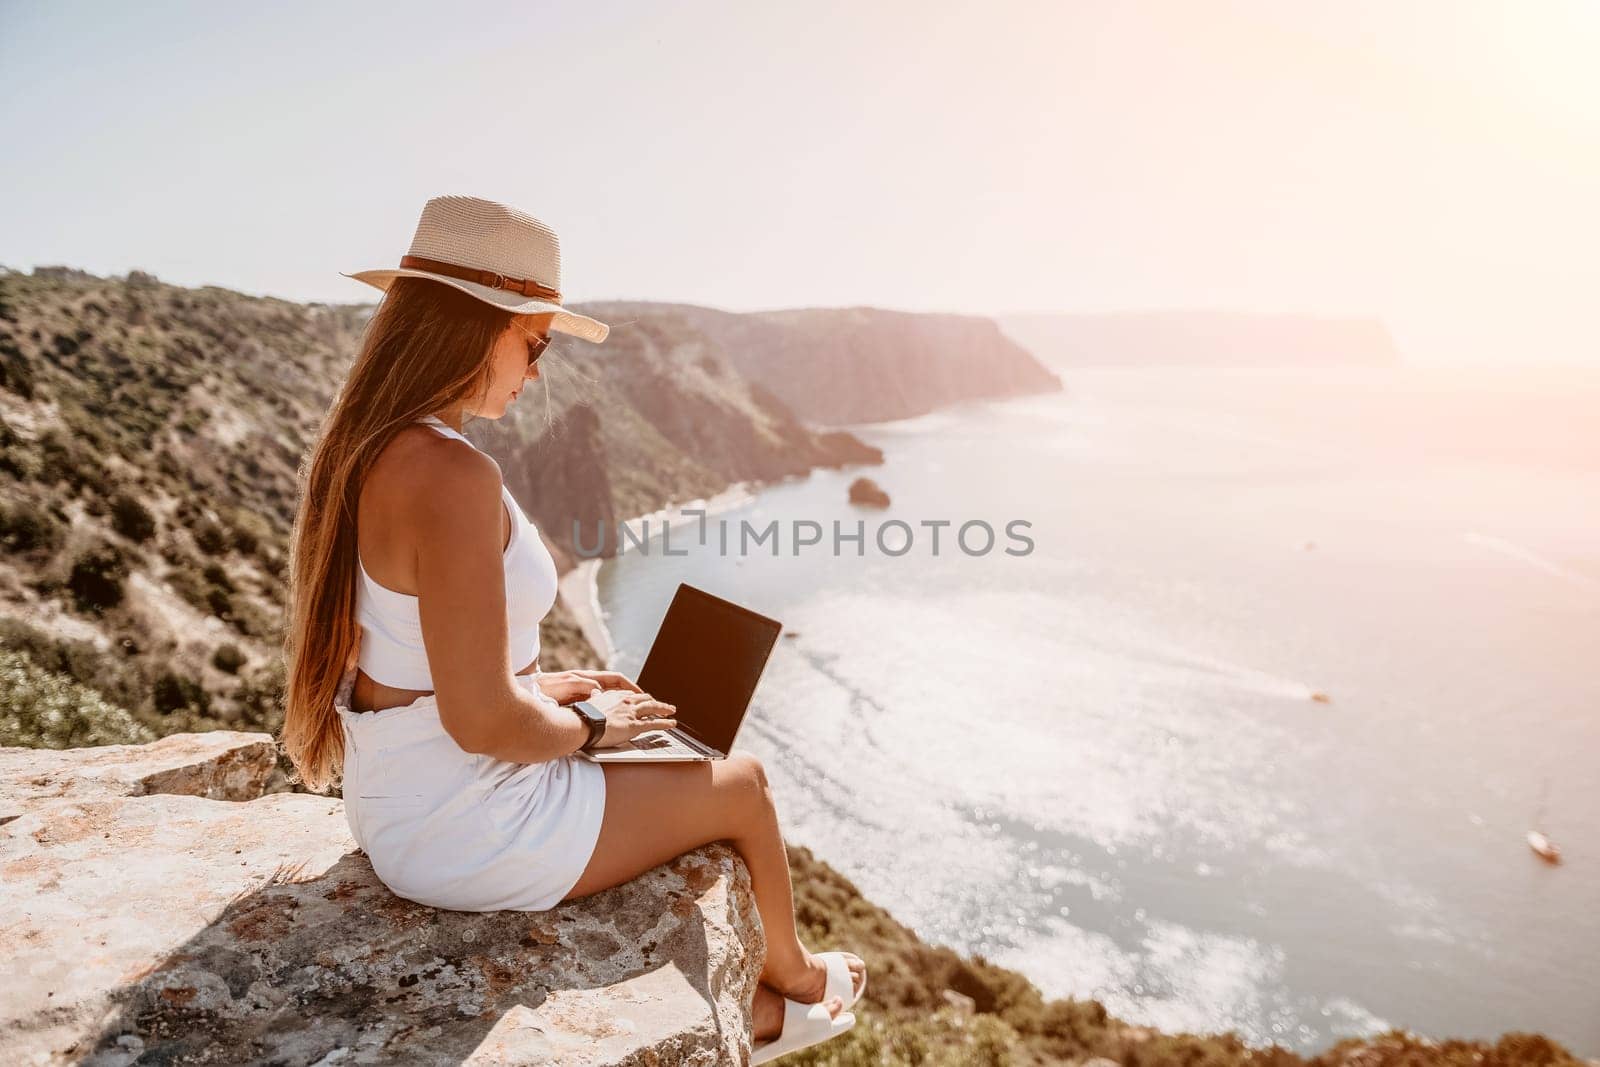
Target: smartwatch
[{"x": 596, "y": 720}]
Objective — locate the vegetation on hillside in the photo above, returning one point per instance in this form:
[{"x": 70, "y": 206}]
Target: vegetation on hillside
[
  {"x": 150, "y": 444},
  {"x": 44, "y": 709},
  {"x": 928, "y": 1006},
  {"x": 150, "y": 438}
]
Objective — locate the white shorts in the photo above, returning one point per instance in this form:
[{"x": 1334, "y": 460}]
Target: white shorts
[{"x": 453, "y": 830}]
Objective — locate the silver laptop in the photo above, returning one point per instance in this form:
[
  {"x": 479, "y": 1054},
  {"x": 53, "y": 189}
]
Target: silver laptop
[{"x": 706, "y": 660}]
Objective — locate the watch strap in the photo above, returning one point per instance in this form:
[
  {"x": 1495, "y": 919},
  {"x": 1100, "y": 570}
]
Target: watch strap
[{"x": 596, "y": 721}]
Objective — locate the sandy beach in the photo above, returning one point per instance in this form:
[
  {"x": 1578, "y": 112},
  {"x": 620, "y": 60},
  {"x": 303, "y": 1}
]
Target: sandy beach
[{"x": 580, "y": 595}]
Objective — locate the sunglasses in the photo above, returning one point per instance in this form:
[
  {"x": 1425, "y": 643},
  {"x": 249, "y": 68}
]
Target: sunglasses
[{"x": 537, "y": 343}]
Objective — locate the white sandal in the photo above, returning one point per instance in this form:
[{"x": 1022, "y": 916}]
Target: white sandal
[
  {"x": 805, "y": 1025},
  {"x": 839, "y": 983}
]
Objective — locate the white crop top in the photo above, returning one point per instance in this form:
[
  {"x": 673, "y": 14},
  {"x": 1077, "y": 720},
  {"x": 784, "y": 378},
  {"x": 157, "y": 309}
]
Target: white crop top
[{"x": 392, "y": 651}]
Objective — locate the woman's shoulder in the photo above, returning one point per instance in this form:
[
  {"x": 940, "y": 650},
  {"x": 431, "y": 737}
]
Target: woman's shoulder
[{"x": 419, "y": 462}]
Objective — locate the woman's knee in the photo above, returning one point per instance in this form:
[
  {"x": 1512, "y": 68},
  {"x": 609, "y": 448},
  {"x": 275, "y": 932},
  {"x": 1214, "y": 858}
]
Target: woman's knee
[
  {"x": 747, "y": 779},
  {"x": 751, "y": 764}
]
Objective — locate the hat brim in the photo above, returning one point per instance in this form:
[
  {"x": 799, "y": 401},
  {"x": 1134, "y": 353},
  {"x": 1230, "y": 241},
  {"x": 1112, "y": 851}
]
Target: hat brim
[{"x": 565, "y": 321}]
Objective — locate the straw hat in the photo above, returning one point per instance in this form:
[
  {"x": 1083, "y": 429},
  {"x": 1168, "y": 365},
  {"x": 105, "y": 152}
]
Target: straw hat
[{"x": 494, "y": 252}]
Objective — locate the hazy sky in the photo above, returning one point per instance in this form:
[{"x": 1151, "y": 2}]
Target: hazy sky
[{"x": 1437, "y": 164}]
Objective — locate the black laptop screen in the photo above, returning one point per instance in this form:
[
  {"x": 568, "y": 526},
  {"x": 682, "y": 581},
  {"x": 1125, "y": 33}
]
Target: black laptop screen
[{"x": 706, "y": 660}]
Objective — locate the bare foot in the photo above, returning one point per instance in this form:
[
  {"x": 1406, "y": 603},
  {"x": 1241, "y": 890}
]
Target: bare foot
[
  {"x": 809, "y": 987},
  {"x": 766, "y": 1014}
]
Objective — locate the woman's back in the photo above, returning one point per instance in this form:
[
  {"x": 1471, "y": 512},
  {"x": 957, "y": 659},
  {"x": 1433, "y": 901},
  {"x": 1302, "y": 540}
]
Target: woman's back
[
  {"x": 400, "y": 474},
  {"x": 394, "y": 669}
]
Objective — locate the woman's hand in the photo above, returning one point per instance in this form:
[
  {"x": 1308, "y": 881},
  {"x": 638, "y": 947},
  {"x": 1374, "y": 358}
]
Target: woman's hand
[
  {"x": 567, "y": 687},
  {"x": 634, "y": 714},
  {"x": 609, "y": 680}
]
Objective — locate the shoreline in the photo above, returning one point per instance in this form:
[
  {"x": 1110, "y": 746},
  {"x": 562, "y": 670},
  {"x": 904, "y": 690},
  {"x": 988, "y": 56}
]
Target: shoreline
[
  {"x": 579, "y": 592},
  {"x": 579, "y": 588}
]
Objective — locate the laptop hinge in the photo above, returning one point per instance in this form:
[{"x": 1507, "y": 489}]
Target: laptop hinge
[{"x": 696, "y": 744}]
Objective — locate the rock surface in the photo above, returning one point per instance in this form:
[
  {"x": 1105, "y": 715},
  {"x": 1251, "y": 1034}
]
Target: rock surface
[
  {"x": 222, "y": 765},
  {"x": 185, "y": 929}
]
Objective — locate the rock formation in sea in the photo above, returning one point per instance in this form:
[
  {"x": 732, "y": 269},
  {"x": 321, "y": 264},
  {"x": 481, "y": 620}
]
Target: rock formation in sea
[{"x": 866, "y": 491}]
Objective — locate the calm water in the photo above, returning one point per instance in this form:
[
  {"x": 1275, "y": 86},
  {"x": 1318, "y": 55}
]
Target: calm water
[{"x": 1101, "y": 763}]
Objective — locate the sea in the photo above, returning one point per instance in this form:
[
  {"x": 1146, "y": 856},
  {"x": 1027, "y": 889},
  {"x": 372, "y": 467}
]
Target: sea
[{"x": 1238, "y": 718}]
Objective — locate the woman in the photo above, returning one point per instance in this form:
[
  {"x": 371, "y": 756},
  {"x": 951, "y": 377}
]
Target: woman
[{"x": 416, "y": 592}]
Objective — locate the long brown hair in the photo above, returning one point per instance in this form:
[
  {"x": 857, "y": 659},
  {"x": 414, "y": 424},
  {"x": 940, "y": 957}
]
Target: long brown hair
[{"x": 426, "y": 349}]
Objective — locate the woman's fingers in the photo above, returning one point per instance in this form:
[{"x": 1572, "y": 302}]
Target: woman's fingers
[
  {"x": 610, "y": 680},
  {"x": 640, "y": 712},
  {"x": 651, "y": 710}
]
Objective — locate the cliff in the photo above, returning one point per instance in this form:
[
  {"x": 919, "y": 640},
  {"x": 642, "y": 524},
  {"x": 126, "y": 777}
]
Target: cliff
[
  {"x": 658, "y": 415},
  {"x": 1204, "y": 339},
  {"x": 861, "y": 364},
  {"x": 158, "y": 908},
  {"x": 150, "y": 440},
  {"x": 149, "y": 437}
]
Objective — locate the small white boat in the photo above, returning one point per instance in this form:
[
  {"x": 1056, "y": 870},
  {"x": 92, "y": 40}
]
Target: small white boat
[{"x": 1543, "y": 847}]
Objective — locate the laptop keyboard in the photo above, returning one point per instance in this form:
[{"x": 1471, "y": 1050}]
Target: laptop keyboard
[{"x": 659, "y": 740}]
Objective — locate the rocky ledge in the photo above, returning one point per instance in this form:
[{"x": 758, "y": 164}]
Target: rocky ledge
[{"x": 155, "y": 907}]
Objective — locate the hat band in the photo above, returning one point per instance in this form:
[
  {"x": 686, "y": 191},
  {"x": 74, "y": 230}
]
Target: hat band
[{"x": 525, "y": 286}]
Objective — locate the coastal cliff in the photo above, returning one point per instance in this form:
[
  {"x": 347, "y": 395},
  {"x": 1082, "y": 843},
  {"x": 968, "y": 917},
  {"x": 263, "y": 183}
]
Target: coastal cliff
[
  {"x": 658, "y": 415},
  {"x": 862, "y": 364},
  {"x": 160, "y": 909},
  {"x": 149, "y": 440}
]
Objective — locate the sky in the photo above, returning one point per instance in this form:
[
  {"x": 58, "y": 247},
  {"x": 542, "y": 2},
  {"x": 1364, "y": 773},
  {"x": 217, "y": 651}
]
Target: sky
[{"x": 1435, "y": 164}]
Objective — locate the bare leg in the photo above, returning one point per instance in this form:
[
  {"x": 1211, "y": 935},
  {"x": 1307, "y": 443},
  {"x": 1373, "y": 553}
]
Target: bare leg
[{"x": 658, "y": 811}]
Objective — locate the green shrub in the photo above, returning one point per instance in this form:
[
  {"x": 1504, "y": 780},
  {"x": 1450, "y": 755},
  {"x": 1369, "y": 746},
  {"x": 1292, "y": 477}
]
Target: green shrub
[
  {"x": 97, "y": 577},
  {"x": 115, "y": 679},
  {"x": 228, "y": 658},
  {"x": 190, "y": 586},
  {"x": 217, "y": 575},
  {"x": 252, "y": 621},
  {"x": 260, "y": 695},
  {"x": 246, "y": 530},
  {"x": 66, "y": 460},
  {"x": 173, "y": 691},
  {"x": 16, "y": 371},
  {"x": 24, "y": 527},
  {"x": 211, "y": 538},
  {"x": 21, "y": 460},
  {"x": 992, "y": 1041},
  {"x": 130, "y": 518},
  {"x": 220, "y": 602},
  {"x": 41, "y": 709}
]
